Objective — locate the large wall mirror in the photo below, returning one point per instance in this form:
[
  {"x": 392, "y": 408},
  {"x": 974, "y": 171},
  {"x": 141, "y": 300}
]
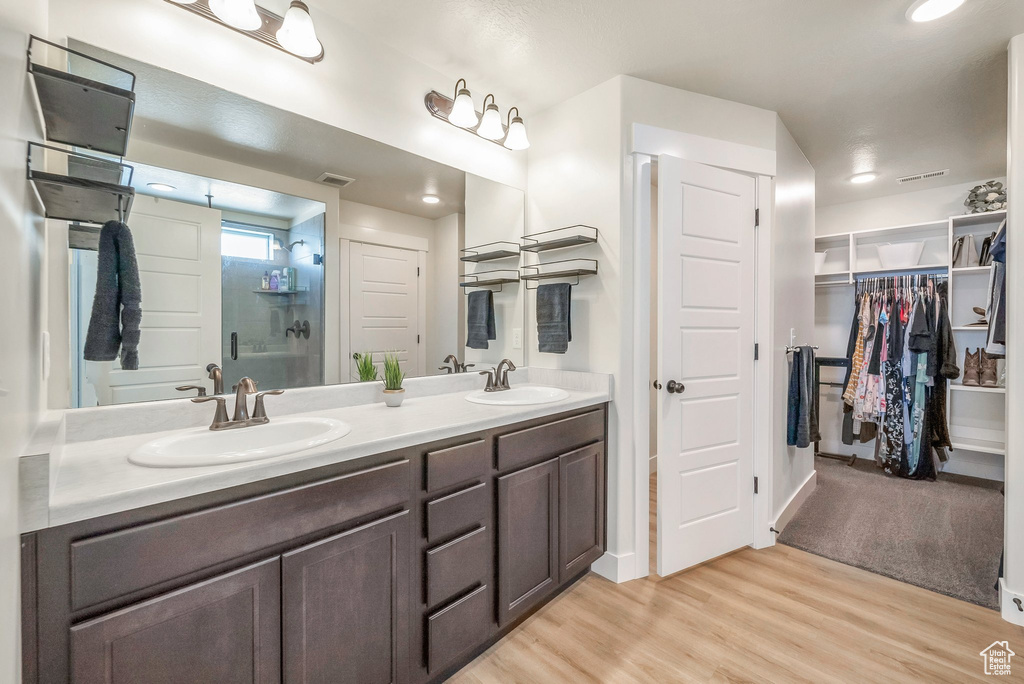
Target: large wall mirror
[{"x": 283, "y": 249}]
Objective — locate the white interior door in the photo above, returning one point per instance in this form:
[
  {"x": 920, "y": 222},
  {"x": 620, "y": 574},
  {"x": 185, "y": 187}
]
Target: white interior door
[
  {"x": 178, "y": 249},
  {"x": 384, "y": 307},
  {"x": 706, "y": 330}
]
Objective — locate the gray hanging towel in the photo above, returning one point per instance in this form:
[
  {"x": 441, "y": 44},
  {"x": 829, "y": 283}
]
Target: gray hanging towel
[
  {"x": 554, "y": 317},
  {"x": 480, "y": 319},
  {"x": 117, "y": 305}
]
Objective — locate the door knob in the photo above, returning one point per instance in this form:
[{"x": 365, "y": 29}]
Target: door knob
[{"x": 674, "y": 387}]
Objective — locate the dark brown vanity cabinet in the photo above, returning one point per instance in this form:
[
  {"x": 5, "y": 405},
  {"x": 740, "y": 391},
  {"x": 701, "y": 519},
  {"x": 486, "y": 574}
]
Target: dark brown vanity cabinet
[{"x": 392, "y": 568}]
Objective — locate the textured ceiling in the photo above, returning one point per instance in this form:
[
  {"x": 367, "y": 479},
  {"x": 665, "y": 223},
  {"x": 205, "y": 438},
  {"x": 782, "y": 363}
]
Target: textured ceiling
[
  {"x": 859, "y": 86},
  {"x": 182, "y": 113}
]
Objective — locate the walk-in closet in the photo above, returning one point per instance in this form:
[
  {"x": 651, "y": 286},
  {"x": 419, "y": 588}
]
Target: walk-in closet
[{"x": 910, "y": 389}]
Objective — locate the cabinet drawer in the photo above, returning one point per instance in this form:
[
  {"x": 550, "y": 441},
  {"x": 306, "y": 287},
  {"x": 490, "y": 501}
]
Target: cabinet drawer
[
  {"x": 460, "y": 627},
  {"x": 456, "y": 512},
  {"x": 118, "y": 563},
  {"x": 552, "y": 439},
  {"x": 457, "y": 464},
  {"x": 458, "y": 565}
]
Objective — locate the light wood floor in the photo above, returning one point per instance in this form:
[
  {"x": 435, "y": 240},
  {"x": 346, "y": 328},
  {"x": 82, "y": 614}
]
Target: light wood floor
[{"x": 776, "y": 615}]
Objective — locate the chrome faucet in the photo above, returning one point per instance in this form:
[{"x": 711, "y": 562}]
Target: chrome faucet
[
  {"x": 241, "y": 419},
  {"x": 218, "y": 378},
  {"x": 456, "y": 367},
  {"x": 200, "y": 390},
  {"x": 501, "y": 373},
  {"x": 492, "y": 386}
]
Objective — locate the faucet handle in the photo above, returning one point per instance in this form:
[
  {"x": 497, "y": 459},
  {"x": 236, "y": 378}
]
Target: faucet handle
[
  {"x": 220, "y": 416},
  {"x": 259, "y": 411},
  {"x": 201, "y": 391},
  {"x": 446, "y": 369},
  {"x": 490, "y": 379},
  {"x": 467, "y": 366}
]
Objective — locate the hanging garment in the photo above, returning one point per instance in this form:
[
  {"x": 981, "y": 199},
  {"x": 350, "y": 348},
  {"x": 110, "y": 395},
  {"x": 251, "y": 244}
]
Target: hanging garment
[
  {"x": 857, "y": 357},
  {"x": 802, "y": 417},
  {"x": 117, "y": 304},
  {"x": 996, "y": 309}
]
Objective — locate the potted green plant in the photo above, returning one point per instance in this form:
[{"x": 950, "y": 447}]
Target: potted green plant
[
  {"x": 393, "y": 376},
  {"x": 364, "y": 366}
]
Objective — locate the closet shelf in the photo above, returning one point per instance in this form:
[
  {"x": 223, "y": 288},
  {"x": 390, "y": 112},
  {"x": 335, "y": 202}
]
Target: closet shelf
[
  {"x": 966, "y": 388},
  {"x": 560, "y": 238},
  {"x": 970, "y": 328},
  {"x": 965, "y": 220},
  {"x": 94, "y": 190},
  {"x": 84, "y": 112},
  {"x": 280, "y": 292},
  {"x": 930, "y": 268},
  {"x": 980, "y": 448},
  {"x": 492, "y": 251},
  {"x": 972, "y": 269}
]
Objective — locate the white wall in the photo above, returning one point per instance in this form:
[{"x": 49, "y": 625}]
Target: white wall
[
  {"x": 361, "y": 86},
  {"x": 445, "y": 308},
  {"x": 1014, "y": 572},
  {"x": 793, "y": 303},
  {"x": 934, "y": 204},
  {"x": 22, "y": 305}
]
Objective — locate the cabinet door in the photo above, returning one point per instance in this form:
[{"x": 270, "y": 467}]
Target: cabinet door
[
  {"x": 345, "y": 609},
  {"x": 527, "y": 538},
  {"x": 580, "y": 509},
  {"x": 226, "y": 630}
]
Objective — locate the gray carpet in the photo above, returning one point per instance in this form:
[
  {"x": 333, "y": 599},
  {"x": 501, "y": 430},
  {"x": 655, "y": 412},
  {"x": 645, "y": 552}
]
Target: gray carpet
[{"x": 946, "y": 536}]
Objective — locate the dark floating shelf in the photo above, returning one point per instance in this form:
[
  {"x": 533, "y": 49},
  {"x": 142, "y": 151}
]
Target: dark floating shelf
[
  {"x": 569, "y": 268},
  {"x": 560, "y": 238},
  {"x": 490, "y": 279},
  {"x": 84, "y": 112},
  {"x": 492, "y": 251},
  {"x": 93, "y": 191}
]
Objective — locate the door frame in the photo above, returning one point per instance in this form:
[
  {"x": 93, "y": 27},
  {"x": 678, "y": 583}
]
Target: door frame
[{"x": 647, "y": 143}]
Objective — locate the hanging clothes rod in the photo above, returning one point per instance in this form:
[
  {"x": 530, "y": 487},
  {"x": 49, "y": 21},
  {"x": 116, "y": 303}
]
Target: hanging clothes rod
[{"x": 790, "y": 349}]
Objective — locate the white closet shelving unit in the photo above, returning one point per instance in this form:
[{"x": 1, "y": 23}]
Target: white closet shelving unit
[{"x": 977, "y": 415}]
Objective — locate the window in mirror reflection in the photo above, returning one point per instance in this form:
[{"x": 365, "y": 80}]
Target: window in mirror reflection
[{"x": 245, "y": 244}]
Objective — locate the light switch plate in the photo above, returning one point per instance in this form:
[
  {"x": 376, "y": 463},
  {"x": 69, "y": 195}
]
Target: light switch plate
[{"x": 517, "y": 338}]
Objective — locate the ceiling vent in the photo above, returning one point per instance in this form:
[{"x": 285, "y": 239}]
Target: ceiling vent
[
  {"x": 334, "y": 179},
  {"x": 922, "y": 176}
]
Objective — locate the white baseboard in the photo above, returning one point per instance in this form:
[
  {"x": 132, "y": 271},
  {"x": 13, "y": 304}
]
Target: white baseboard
[
  {"x": 796, "y": 501},
  {"x": 615, "y": 567},
  {"x": 1010, "y": 611}
]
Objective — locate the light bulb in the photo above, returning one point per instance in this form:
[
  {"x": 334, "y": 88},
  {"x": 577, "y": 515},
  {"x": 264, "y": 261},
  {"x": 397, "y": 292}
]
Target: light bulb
[
  {"x": 297, "y": 34},
  {"x": 490, "y": 124},
  {"x": 240, "y": 14},
  {"x": 516, "y": 139},
  {"x": 431, "y": 199},
  {"x": 929, "y": 10},
  {"x": 862, "y": 178},
  {"x": 463, "y": 112}
]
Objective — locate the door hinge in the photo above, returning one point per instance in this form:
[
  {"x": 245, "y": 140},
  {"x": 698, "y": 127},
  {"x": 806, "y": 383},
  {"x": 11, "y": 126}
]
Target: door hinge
[
  {"x": 757, "y": 218},
  {"x": 417, "y": 339},
  {"x": 755, "y": 351},
  {"x": 755, "y": 485},
  {"x": 417, "y": 271}
]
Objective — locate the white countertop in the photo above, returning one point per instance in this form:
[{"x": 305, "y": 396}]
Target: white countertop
[{"x": 94, "y": 477}]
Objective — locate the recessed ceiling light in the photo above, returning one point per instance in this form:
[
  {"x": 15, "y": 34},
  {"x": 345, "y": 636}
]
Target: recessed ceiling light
[
  {"x": 864, "y": 178},
  {"x": 431, "y": 199},
  {"x": 162, "y": 187},
  {"x": 929, "y": 10}
]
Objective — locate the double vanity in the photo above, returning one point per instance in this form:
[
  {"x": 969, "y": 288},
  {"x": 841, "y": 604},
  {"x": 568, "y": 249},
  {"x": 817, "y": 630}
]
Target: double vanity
[{"x": 341, "y": 542}]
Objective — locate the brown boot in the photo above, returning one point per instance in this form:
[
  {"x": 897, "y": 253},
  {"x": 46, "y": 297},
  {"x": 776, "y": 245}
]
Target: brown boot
[
  {"x": 972, "y": 368},
  {"x": 989, "y": 371}
]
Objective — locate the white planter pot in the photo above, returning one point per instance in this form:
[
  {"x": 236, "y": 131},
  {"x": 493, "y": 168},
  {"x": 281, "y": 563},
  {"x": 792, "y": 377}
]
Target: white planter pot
[
  {"x": 900, "y": 255},
  {"x": 393, "y": 398}
]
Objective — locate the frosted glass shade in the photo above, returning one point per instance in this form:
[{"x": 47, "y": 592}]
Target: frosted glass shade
[
  {"x": 297, "y": 34},
  {"x": 490, "y": 124},
  {"x": 463, "y": 112},
  {"x": 516, "y": 139},
  {"x": 240, "y": 14}
]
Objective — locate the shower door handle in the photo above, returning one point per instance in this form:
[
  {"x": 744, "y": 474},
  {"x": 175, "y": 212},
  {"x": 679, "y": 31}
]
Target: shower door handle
[{"x": 234, "y": 346}]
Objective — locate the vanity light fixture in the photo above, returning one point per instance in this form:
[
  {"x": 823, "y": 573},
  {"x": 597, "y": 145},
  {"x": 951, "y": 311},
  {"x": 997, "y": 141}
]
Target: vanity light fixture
[
  {"x": 862, "y": 178},
  {"x": 294, "y": 33},
  {"x": 297, "y": 34},
  {"x": 516, "y": 138},
  {"x": 161, "y": 187},
  {"x": 490, "y": 124},
  {"x": 930, "y": 10},
  {"x": 431, "y": 199},
  {"x": 462, "y": 113},
  {"x": 239, "y": 14}
]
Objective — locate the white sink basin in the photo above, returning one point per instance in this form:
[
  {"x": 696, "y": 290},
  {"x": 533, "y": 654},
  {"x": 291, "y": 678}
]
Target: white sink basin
[
  {"x": 204, "y": 447},
  {"x": 519, "y": 396}
]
